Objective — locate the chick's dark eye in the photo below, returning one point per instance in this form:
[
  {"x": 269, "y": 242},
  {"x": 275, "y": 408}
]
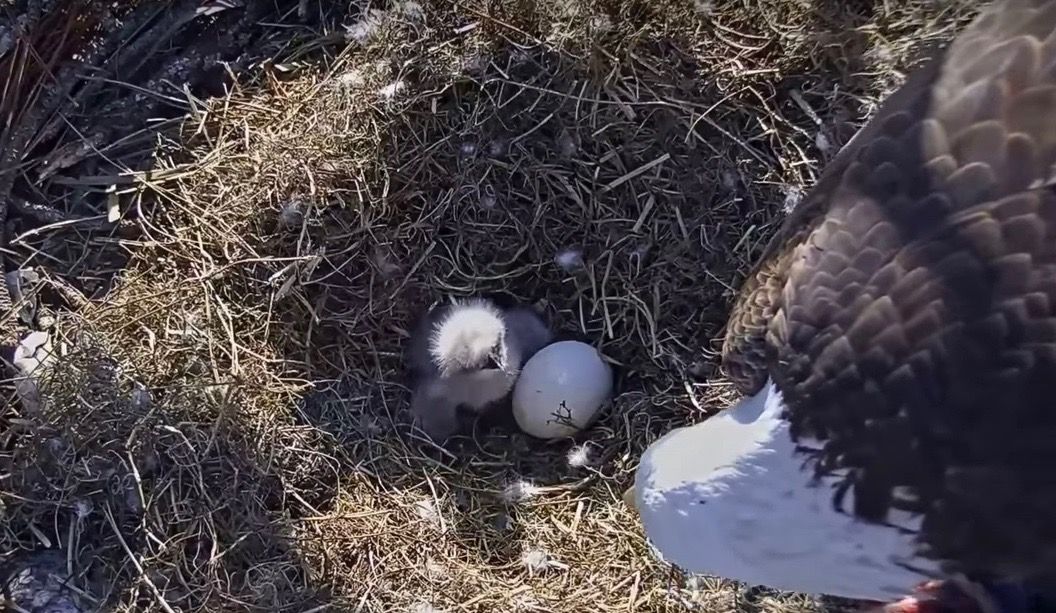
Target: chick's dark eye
[{"x": 491, "y": 362}]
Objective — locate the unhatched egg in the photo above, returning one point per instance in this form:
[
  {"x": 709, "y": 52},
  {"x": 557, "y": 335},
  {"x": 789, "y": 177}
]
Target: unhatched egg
[{"x": 561, "y": 389}]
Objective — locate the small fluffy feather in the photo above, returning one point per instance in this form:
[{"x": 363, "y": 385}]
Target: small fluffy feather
[
  {"x": 538, "y": 561},
  {"x": 519, "y": 491},
  {"x": 367, "y": 27},
  {"x": 569, "y": 259},
  {"x": 389, "y": 91},
  {"x": 579, "y": 456}
]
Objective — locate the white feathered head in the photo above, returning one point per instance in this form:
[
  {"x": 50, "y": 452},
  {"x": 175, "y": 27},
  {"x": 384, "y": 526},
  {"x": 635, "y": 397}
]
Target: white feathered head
[{"x": 472, "y": 336}]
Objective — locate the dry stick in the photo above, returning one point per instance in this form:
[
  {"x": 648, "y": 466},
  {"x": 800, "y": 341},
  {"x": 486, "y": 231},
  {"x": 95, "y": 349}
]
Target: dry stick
[
  {"x": 634, "y": 173},
  {"x": 61, "y": 224},
  {"x": 139, "y": 567}
]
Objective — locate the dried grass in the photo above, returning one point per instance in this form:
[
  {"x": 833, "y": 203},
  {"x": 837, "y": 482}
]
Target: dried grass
[{"x": 225, "y": 428}]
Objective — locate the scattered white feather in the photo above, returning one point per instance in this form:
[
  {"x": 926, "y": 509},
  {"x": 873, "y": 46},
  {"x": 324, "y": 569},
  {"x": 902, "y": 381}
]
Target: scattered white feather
[
  {"x": 291, "y": 213},
  {"x": 538, "y": 561},
  {"x": 697, "y": 592},
  {"x": 880, "y": 54},
  {"x": 704, "y": 8},
  {"x": 695, "y": 583},
  {"x": 601, "y": 24},
  {"x": 423, "y": 607},
  {"x": 427, "y": 511},
  {"x": 366, "y": 28},
  {"x": 385, "y": 264},
  {"x": 822, "y": 142},
  {"x": 526, "y": 601},
  {"x": 729, "y": 180},
  {"x": 793, "y": 195},
  {"x": 369, "y": 425},
  {"x": 435, "y": 569},
  {"x": 389, "y": 91},
  {"x": 83, "y": 508},
  {"x": 410, "y": 9},
  {"x": 352, "y": 79},
  {"x": 498, "y": 147},
  {"x": 566, "y": 143},
  {"x": 488, "y": 200},
  {"x": 569, "y": 259},
  {"x": 579, "y": 456},
  {"x": 519, "y": 491},
  {"x": 141, "y": 398}
]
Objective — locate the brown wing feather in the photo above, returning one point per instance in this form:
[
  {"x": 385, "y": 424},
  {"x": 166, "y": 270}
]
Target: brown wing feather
[
  {"x": 744, "y": 347},
  {"x": 915, "y": 331}
]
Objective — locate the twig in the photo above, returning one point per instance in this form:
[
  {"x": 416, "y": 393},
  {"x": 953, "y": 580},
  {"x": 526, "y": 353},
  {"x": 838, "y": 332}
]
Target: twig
[{"x": 135, "y": 562}]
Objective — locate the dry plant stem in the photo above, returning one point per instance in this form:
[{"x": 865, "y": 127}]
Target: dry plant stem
[{"x": 139, "y": 567}]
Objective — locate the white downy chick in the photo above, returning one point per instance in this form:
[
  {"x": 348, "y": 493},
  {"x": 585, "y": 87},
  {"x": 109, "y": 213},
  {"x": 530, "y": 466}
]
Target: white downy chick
[{"x": 469, "y": 354}]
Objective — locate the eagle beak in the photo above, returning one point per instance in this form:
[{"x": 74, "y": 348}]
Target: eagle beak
[{"x": 628, "y": 499}]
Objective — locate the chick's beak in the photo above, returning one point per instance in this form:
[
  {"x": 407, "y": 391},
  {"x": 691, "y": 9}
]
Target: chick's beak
[{"x": 495, "y": 359}]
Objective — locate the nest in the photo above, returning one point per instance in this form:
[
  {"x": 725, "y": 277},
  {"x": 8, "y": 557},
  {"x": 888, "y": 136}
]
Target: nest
[{"x": 224, "y": 425}]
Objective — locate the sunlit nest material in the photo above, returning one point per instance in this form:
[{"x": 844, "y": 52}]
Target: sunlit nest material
[{"x": 225, "y": 427}]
